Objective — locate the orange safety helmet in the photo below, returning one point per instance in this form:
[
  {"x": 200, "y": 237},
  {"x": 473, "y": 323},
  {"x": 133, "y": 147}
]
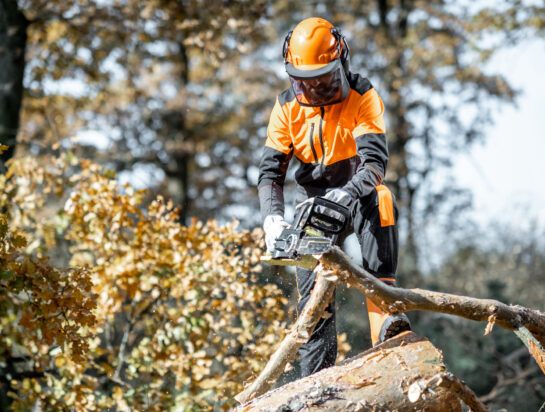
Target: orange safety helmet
[{"x": 317, "y": 60}]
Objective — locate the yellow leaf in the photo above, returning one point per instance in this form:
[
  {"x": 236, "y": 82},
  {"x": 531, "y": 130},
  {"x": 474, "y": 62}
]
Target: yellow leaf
[
  {"x": 10, "y": 171},
  {"x": 60, "y": 362}
]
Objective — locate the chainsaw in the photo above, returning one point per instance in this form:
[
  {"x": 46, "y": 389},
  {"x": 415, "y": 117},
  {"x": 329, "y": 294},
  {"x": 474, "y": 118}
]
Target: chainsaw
[{"x": 315, "y": 229}]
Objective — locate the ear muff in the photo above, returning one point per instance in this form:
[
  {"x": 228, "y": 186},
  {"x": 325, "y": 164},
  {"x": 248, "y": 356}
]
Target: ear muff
[
  {"x": 344, "y": 50},
  {"x": 286, "y": 46}
]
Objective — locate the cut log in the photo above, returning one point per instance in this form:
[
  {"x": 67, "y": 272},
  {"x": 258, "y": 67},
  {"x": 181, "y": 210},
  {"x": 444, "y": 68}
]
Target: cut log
[{"x": 376, "y": 380}]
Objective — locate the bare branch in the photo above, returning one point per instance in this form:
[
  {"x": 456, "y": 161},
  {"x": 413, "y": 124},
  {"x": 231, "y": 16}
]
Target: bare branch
[
  {"x": 397, "y": 300},
  {"x": 322, "y": 294}
]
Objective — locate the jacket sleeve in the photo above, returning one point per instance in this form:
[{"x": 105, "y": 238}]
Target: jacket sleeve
[
  {"x": 274, "y": 163},
  {"x": 372, "y": 148}
]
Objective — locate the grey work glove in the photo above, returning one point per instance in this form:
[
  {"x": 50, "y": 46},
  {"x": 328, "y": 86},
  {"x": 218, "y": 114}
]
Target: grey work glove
[
  {"x": 273, "y": 227},
  {"x": 340, "y": 196}
]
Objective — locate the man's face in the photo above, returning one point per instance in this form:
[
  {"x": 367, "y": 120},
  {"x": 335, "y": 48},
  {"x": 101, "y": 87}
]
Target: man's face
[
  {"x": 319, "y": 87},
  {"x": 319, "y": 91},
  {"x": 324, "y": 88}
]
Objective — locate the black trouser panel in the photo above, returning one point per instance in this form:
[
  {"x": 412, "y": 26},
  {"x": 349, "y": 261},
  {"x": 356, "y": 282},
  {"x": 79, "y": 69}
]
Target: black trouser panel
[
  {"x": 379, "y": 246},
  {"x": 321, "y": 350}
]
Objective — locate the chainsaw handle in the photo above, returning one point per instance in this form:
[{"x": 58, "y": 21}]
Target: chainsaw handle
[
  {"x": 332, "y": 224},
  {"x": 343, "y": 210}
]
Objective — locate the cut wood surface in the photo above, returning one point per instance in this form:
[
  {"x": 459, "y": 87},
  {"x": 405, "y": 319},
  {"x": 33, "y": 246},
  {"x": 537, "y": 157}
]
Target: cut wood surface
[
  {"x": 450, "y": 382},
  {"x": 376, "y": 380}
]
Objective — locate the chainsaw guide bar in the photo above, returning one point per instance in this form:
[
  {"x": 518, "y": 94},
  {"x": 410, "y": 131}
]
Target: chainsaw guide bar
[{"x": 306, "y": 262}]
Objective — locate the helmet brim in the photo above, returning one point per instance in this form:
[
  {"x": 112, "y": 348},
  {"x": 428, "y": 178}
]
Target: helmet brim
[{"x": 312, "y": 71}]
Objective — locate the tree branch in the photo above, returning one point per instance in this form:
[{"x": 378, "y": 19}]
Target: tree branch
[
  {"x": 131, "y": 321},
  {"x": 503, "y": 383},
  {"x": 124, "y": 342},
  {"x": 326, "y": 281},
  {"x": 396, "y": 300}
]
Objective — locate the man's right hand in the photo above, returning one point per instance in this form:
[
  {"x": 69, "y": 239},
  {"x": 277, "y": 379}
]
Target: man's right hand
[{"x": 273, "y": 227}]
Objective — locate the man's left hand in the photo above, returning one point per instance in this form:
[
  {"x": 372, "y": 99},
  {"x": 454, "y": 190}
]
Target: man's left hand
[{"x": 340, "y": 196}]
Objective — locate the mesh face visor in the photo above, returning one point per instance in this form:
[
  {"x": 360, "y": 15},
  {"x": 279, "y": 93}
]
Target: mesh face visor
[{"x": 320, "y": 87}]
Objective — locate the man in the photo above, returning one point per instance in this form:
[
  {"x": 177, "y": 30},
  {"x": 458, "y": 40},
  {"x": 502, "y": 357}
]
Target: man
[{"x": 331, "y": 120}]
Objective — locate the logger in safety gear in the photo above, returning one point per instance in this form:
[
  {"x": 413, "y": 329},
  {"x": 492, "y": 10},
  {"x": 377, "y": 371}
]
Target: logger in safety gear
[{"x": 331, "y": 121}]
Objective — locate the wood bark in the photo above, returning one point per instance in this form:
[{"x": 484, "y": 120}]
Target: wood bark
[
  {"x": 376, "y": 380},
  {"x": 13, "y": 39}
]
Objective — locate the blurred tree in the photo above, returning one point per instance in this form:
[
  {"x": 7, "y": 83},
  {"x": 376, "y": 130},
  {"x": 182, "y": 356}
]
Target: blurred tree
[
  {"x": 152, "y": 77},
  {"x": 12, "y": 60},
  {"x": 182, "y": 92},
  {"x": 506, "y": 268}
]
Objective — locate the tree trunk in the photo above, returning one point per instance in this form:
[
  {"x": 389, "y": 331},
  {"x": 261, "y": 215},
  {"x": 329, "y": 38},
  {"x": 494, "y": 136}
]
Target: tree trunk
[
  {"x": 13, "y": 38},
  {"x": 178, "y": 183},
  {"x": 178, "y": 176},
  {"x": 376, "y": 380}
]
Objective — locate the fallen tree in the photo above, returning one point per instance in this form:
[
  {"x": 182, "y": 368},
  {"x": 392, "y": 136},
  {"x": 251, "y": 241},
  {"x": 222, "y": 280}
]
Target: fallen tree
[
  {"x": 336, "y": 266},
  {"x": 406, "y": 373}
]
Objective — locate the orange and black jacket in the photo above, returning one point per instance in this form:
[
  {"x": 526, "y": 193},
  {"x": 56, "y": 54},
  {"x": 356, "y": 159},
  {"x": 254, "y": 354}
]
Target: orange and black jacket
[{"x": 338, "y": 146}]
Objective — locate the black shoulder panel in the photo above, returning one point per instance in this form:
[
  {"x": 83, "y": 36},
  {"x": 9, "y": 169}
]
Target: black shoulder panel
[
  {"x": 359, "y": 83},
  {"x": 286, "y": 96}
]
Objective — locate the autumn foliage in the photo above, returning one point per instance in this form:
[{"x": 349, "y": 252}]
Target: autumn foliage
[{"x": 149, "y": 315}]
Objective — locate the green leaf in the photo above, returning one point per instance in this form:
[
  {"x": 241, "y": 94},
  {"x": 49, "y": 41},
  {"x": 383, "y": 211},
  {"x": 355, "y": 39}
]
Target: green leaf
[
  {"x": 6, "y": 275},
  {"x": 3, "y": 228}
]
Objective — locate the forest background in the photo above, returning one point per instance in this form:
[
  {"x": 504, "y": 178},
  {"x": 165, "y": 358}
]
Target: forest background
[{"x": 115, "y": 112}]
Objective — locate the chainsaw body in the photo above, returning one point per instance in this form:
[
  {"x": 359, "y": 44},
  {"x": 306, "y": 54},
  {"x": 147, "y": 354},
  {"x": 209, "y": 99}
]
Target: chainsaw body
[{"x": 315, "y": 229}]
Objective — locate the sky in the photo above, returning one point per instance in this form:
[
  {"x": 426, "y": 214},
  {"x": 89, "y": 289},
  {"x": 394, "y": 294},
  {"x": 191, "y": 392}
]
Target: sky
[{"x": 507, "y": 174}]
